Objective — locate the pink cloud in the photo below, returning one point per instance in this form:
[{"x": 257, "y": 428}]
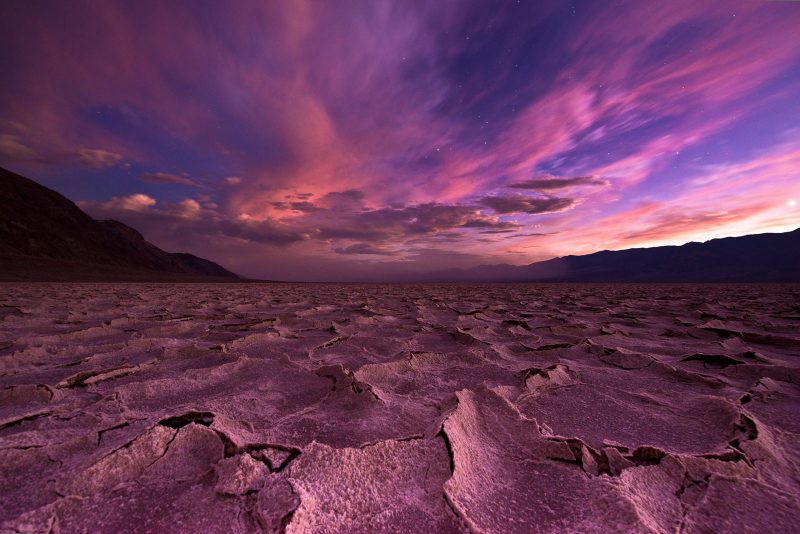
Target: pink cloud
[
  {"x": 136, "y": 202},
  {"x": 97, "y": 158}
]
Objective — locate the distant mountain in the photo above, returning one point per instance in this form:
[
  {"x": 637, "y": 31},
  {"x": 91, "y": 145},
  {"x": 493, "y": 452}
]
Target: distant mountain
[
  {"x": 45, "y": 236},
  {"x": 752, "y": 258}
]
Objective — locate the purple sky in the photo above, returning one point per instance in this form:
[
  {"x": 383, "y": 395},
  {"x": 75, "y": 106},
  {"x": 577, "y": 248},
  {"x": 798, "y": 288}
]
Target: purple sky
[{"x": 357, "y": 139}]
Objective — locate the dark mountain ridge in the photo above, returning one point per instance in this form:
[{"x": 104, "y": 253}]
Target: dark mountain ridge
[
  {"x": 44, "y": 235},
  {"x": 772, "y": 257}
]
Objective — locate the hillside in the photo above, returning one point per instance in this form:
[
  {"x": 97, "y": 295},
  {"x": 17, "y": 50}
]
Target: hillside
[
  {"x": 44, "y": 235},
  {"x": 752, "y": 258}
]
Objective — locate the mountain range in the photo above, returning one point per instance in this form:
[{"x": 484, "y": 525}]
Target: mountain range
[
  {"x": 769, "y": 257},
  {"x": 45, "y": 236}
]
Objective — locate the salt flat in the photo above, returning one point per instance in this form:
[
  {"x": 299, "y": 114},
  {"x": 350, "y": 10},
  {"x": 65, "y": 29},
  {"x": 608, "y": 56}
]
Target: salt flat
[{"x": 394, "y": 408}]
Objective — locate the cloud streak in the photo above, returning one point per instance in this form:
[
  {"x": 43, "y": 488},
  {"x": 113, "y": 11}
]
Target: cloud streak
[
  {"x": 167, "y": 178},
  {"x": 529, "y": 205},
  {"x": 550, "y": 183}
]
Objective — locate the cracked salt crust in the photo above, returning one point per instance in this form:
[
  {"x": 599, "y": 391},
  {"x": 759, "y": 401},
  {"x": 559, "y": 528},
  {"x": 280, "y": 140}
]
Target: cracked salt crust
[{"x": 318, "y": 408}]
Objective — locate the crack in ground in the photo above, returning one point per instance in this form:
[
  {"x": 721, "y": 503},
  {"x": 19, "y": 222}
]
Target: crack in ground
[
  {"x": 287, "y": 519},
  {"x": 254, "y": 448},
  {"x": 451, "y": 455},
  {"x": 344, "y": 378},
  {"x": 109, "y": 429},
  {"x": 24, "y": 418},
  {"x": 180, "y": 421},
  {"x": 686, "y": 484},
  {"x": 86, "y": 378}
]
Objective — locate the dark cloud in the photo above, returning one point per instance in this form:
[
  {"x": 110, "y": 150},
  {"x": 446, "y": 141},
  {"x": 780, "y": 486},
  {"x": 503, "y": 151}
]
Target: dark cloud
[
  {"x": 296, "y": 206},
  {"x": 523, "y": 204},
  {"x": 342, "y": 215},
  {"x": 167, "y": 178},
  {"x": 549, "y": 183},
  {"x": 267, "y": 232},
  {"x": 419, "y": 219},
  {"x": 350, "y": 195},
  {"x": 534, "y": 234},
  {"x": 344, "y": 199},
  {"x": 364, "y": 248},
  {"x": 342, "y": 230},
  {"x": 490, "y": 223},
  {"x": 492, "y": 232},
  {"x": 428, "y": 219}
]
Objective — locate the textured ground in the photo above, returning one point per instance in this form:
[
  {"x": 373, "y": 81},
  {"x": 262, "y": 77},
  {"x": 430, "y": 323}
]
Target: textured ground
[{"x": 345, "y": 408}]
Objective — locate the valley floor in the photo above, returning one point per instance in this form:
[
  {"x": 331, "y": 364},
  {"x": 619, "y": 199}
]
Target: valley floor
[{"x": 377, "y": 408}]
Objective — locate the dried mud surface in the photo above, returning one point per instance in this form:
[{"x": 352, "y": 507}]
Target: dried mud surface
[{"x": 347, "y": 408}]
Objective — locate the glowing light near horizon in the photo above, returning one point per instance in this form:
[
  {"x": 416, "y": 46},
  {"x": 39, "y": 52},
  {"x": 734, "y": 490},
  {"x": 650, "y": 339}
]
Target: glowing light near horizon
[{"x": 792, "y": 203}]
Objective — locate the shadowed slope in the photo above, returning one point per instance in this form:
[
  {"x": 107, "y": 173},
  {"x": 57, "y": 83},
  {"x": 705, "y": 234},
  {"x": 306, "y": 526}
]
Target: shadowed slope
[{"x": 44, "y": 235}]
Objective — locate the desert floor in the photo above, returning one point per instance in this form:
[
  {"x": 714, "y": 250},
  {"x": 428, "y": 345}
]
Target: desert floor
[{"x": 371, "y": 408}]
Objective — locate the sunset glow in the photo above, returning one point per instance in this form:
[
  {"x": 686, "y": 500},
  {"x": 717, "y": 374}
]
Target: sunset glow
[{"x": 343, "y": 140}]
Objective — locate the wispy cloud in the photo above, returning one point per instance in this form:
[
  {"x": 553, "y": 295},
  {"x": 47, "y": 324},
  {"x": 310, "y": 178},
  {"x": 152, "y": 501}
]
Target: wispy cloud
[
  {"x": 529, "y": 205},
  {"x": 364, "y": 249},
  {"x": 167, "y": 178},
  {"x": 137, "y": 202},
  {"x": 549, "y": 183},
  {"x": 97, "y": 158}
]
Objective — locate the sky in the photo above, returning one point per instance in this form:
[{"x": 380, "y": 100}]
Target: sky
[{"x": 366, "y": 140}]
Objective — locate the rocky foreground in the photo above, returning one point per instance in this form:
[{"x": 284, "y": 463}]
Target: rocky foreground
[{"x": 345, "y": 408}]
